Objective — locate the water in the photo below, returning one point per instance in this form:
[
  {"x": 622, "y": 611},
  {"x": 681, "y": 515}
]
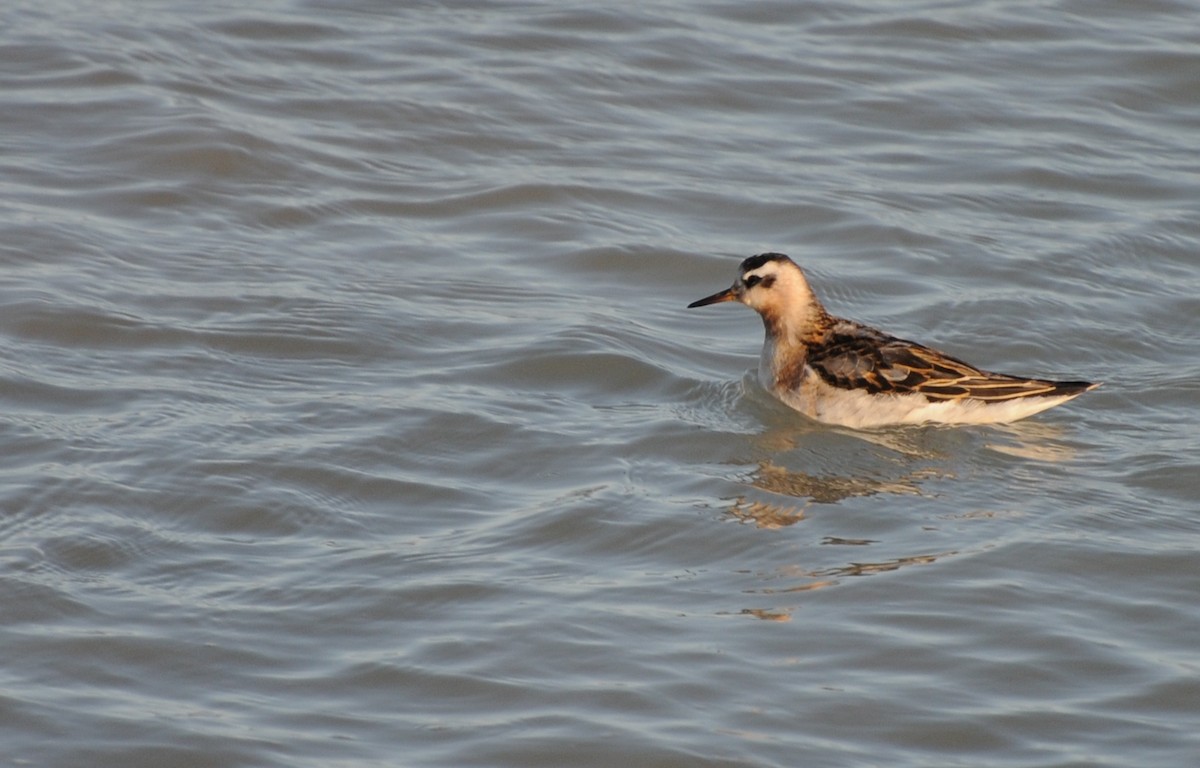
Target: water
[{"x": 352, "y": 415}]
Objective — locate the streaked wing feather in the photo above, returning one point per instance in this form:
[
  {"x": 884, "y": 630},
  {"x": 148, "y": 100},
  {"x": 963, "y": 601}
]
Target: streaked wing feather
[{"x": 874, "y": 362}]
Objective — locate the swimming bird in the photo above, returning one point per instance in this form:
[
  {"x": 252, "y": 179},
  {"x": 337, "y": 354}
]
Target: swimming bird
[{"x": 842, "y": 372}]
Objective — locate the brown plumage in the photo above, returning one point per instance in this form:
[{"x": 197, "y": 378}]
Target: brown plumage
[
  {"x": 860, "y": 357},
  {"x": 844, "y": 372}
]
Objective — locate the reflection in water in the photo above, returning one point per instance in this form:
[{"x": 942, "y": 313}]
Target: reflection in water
[
  {"x": 794, "y": 492},
  {"x": 1032, "y": 440},
  {"x": 829, "y": 489},
  {"x": 1029, "y": 440},
  {"x": 827, "y": 577},
  {"x": 765, "y": 615},
  {"x": 812, "y": 489},
  {"x": 868, "y": 569},
  {"x": 764, "y": 514},
  {"x": 911, "y": 442},
  {"x": 808, "y": 580}
]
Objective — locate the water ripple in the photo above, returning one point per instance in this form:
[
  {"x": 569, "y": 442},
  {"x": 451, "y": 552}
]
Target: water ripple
[{"x": 350, "y": 397}]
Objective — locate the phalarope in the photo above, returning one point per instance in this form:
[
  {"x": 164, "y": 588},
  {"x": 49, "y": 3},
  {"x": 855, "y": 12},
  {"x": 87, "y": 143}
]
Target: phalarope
[{"x": 846, "y": 373}]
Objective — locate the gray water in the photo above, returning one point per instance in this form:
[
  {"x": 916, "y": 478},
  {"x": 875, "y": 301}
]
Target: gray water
[{"x": 352, "y": 415}]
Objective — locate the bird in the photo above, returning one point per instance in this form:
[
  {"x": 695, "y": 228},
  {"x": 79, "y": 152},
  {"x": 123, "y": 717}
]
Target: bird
[{"x": 842, "y": 372}]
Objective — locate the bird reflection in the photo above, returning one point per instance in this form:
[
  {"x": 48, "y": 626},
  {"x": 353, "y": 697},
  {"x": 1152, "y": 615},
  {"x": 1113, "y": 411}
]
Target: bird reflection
[
  {"x": 883, "y": 566},
  {"x": 842, "y": 466},
  {"x": 811, "y": 489},
  {"x": 808, "y": 580},
  {"x": 764, "y": 514},
  {"x": 828, "y": 489},
  {"x": 1036, "y": 441}
]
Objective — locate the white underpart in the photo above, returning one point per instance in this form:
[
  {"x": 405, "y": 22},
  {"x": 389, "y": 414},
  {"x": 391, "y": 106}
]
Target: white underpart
[{"x": 859, "y": 409}]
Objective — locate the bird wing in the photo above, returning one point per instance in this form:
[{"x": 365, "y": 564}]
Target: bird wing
[{"x": 877, "y": 363}]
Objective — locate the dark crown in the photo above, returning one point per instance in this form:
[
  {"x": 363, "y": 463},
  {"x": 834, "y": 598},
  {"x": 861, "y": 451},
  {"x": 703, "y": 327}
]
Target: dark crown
[{"x": 754, "y": 262}]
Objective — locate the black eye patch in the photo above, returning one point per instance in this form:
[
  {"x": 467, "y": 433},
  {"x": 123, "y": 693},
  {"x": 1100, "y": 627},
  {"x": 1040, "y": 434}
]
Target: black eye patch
[{"x": 754, "y": 280}]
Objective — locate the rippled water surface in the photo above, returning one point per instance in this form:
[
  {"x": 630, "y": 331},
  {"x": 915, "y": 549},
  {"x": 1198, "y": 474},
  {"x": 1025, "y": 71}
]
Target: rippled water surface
[{"x": 352, "y": 415}]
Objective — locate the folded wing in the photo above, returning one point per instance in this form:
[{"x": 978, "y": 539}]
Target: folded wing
[{"x": 865, "y": 359}]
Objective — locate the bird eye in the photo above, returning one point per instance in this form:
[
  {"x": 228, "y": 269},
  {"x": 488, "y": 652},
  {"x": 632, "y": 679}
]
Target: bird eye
[{"x": 752, "y": 280}]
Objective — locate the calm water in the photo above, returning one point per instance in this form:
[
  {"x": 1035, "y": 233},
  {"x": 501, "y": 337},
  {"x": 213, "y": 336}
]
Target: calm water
[{"x": 352, "y": 415}]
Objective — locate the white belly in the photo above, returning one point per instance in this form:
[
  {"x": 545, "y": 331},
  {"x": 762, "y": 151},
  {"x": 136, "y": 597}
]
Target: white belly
[{"x": 859, "y": 409}]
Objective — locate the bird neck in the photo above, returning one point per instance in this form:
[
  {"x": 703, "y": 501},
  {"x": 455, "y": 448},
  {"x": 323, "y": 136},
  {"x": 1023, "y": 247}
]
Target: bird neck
[{"x": 800, "y": 323}]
